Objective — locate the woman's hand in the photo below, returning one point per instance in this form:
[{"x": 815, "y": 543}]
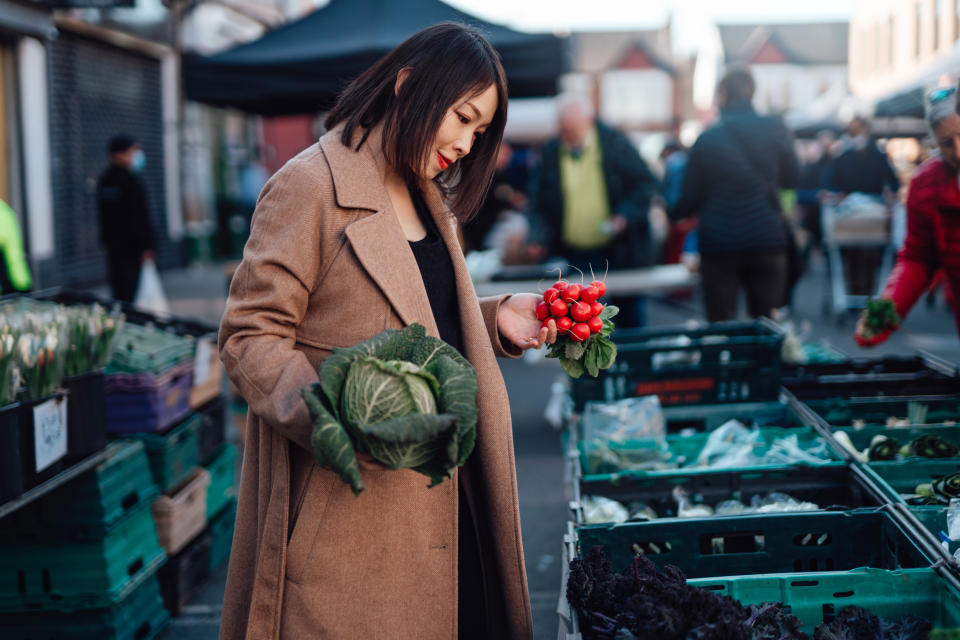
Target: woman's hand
[{"x": 517, "y": 322}]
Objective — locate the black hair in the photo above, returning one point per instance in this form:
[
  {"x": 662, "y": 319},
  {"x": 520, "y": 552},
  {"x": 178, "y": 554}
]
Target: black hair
[
  {"x": 738, "y": 84},
  {"x": 446, "y": 62},
  {"x": 120, "y": 143}
]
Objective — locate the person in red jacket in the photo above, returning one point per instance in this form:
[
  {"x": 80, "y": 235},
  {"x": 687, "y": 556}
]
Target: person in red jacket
[{"x": 933, "y": 220}]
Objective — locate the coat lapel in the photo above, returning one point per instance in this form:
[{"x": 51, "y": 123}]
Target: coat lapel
[{"x": 378, "y": 239}]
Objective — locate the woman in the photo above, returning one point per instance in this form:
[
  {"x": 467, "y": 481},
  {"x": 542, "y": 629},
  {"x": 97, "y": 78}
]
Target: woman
[
  {"x": 933, "y": 219},
  {"x": 351, "y": 237}
]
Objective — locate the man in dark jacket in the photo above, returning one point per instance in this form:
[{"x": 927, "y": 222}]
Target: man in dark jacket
[
  {"x": 124, "y": 216},
  {"x": 734, "y": 174},
  {"x": 591, "y": 197}
]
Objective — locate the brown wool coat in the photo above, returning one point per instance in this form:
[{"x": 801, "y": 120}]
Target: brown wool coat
[{"x": 328, "y": 265}]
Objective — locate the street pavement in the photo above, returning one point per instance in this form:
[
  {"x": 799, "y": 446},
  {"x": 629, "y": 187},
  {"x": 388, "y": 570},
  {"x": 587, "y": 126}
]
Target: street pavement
[{"x": 200, "y": 292}]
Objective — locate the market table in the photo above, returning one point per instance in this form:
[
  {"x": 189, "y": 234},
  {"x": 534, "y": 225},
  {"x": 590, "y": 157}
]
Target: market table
[{"x": 657, "y": 279}]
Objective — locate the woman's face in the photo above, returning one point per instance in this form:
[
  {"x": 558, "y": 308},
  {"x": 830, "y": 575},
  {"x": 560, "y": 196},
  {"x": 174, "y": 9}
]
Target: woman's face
[
  {"x": 465, "y": 121},
  {"x": 948, "y": 140}
]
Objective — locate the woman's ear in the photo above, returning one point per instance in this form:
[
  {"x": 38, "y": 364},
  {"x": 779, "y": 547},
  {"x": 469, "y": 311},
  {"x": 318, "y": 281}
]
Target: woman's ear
[{"x": 402, "y": 76}]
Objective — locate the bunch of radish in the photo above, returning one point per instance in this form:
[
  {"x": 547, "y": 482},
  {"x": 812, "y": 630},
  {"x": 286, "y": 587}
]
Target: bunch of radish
[{"x": 583, "y": 326}]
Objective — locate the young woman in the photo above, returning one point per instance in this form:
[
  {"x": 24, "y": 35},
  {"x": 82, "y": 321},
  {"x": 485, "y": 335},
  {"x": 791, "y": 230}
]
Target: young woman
[
  {"x": 933, "y": 219},
  {"x": 353, "y": 236}
]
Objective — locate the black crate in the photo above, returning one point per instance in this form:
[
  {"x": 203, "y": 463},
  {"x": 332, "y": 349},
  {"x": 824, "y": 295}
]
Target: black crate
[
  {"x": 212, "y": 429},
  {"x": 718, "y": 363},
  {"x": 921, "y": 375},
  {"x": 763, "y": 544},
  {"x": 185, "y": 573},
  {"x": 86, "y": 415},
  {"x": 832, "y": 486},
  {"x": 11, "y": 476}
]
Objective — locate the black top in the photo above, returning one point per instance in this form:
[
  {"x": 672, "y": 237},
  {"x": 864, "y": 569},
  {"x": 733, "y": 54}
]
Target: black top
[
  {"x": 734, "y": 172},
  {"x": 436, "y": 269},
  {"x": 124, "y": 216},
  {"x": 865, "y": 170}
]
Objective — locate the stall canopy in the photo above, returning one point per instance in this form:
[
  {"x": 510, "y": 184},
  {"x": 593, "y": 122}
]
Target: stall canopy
[{"x": 300, "y": 67}]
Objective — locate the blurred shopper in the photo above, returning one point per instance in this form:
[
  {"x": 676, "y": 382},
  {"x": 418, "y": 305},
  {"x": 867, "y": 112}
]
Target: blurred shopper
[
  {"x": 862, "y": 168},
  {"x": 734, "y": 174},
  {"x": 673, "y": 157},
  {"x": 353, "y": 236},
  {"x": 591, "y": 197},
  {"x": 125, "y": 229},
  {"x": 813, "y": 181},
  {"x": 14, "y": 270},
  {"x": 933, "y": 219},
  {"x": 500, "y": 223}
]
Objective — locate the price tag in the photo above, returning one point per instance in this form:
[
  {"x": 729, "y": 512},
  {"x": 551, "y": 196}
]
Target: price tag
[
  {"x": 201, "y": 362},
  {"x": 50, "y": 432}
]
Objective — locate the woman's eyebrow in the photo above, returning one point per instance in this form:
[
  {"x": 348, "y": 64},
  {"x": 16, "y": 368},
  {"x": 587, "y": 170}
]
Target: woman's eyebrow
[{"x": 476, "y": 111}]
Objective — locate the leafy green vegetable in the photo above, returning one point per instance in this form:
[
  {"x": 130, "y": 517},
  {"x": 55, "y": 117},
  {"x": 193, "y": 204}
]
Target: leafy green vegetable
[
  {"x": 881, "y": 314},
  {"x": 930, "y": 446},
  {"x": 596, "y": 353},
  {"x": 883, "y": 448},
  {"x": 405, "y": 398}
]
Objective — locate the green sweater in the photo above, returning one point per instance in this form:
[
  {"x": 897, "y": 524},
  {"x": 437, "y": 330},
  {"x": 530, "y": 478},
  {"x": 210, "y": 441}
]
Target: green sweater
[{"x": 11, "y": 246}]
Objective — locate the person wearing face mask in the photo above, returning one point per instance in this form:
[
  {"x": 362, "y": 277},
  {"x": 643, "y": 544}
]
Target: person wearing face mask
[
  {"x": 125, "y": 229},
  {"x": 933, "y": 219},
  {"x": 355, "y": 235}
]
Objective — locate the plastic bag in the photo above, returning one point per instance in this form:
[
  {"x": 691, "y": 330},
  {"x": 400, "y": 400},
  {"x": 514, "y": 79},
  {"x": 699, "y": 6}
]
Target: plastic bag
[
  {"x": 150, "y": 296},
  {"x": 728, "y": 446},
  {"x": 788, "y": 451},
  {"x": 629, "y": 419},
  {"x": 600, "y": 510}
]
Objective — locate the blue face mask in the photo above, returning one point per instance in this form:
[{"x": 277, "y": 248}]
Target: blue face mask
[{"x": 139, "y": 161}]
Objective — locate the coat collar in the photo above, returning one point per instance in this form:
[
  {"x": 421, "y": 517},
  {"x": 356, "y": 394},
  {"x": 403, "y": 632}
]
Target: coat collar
[{"x": 378, "y": 239}]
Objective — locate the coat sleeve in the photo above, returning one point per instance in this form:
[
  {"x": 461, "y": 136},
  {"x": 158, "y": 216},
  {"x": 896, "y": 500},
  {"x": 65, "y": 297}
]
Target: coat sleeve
[
  {"x": 639, "y": 184},
  {"x": 501, "y": 348},
  {"x": 545, "y": 211},
  {"x": 917, "y": 262},
  {"x": 268, "y": 300}
]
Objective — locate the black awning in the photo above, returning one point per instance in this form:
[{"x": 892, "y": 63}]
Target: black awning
[
  {"x": 18, "y": 19},
  {"x": 302, "y": 66},
  {"x": 906, "y": 104}
]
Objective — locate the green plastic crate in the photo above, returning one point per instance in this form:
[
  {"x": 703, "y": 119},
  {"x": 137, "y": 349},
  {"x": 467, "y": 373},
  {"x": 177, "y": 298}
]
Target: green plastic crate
[
  {"x": 140, "y": 616},
  {"x": 222, "y": 486},
  {"x": 174, "y": 454},
  {"x": 816, "y": 597},
  {"x": 834, "y": 486},
  {"x": 841, "y": 412},
  {"x": 862, "y": 437},
  {"x": 221, "y": 534},
  {"x": 900, "y": 477},
  {"x": 600, "y": 458},
  {"x": 140, "y": 349},
  {"x": 759, "y": 544},
  {"x": 87, "y": 575},
  {"x": 90, "y": 505}
]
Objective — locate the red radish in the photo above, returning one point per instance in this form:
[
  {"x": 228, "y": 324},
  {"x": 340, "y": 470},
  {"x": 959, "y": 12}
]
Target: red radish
[
  {"x": 595, "y": 324},
  {"x": 596, "y": 308},
  {"x": 560, "y": 285},
  {"x": 550, "y": 295},
  {"x": 564, "y": 324},
  {"x": 580, "y": 312},
  {"x": 580, "y": 332},
  {"x": 546, "y": 323},
  {"x": 601, "y": 287},
  {"x": 590, "y": 294},
  {"x": 571, "y": 293},
  {"x": 543, "y": 311},
  {"x": 558, "y": 308}
]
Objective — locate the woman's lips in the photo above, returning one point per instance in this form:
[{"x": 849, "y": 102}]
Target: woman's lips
[{"x": 444, "y": 163}]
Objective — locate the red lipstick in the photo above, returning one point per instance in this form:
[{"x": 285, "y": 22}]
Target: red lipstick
[{"x": 444, "y": 163}]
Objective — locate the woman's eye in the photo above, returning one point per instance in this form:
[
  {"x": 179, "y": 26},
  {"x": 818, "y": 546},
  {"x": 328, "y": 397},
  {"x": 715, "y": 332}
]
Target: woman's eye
[{"x": 463, "y": 119}]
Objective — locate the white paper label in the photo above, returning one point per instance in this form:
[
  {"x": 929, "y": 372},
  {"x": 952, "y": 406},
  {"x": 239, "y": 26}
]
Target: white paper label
[
  {"x": 50, "y": 432},
  {"x": 201, "y": 362}
]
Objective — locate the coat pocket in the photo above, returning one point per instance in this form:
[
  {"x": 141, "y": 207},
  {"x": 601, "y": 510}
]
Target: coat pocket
[{"x": 304, "y": 534}]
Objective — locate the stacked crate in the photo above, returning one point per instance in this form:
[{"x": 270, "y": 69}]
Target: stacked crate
[
  {"x": 863, "y": 546},
  {"x": 83, "y": 561},
  {"x": 154, "y": 398}
]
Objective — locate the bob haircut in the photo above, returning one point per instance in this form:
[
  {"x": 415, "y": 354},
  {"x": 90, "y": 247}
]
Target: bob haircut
[{"x": 447, "y": 62}]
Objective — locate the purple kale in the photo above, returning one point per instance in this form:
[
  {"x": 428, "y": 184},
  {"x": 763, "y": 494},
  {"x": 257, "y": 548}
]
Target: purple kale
[
  {"x": 909, "y": 628},
  {"x": 852, "y": 623}
]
